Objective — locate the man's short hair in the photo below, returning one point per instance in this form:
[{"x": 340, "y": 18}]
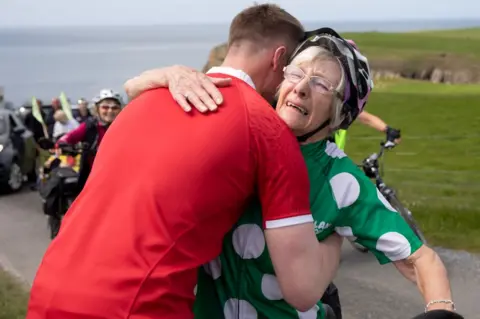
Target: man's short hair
[{"x": 262, "y": 22}]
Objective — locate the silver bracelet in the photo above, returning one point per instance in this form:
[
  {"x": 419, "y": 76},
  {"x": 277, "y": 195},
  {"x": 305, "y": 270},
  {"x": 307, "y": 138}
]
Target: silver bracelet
[{"x": 440, "y": 301}]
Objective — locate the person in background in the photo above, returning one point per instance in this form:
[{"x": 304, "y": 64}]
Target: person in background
[
  {"x": 392, "y": 137},
  {"x": 63, "y": 124},
  {"x": 377, "y": 123},
  {"x": 108, "y": 105},
  {"x": 38, "y": 131},
  {"x": 50, "y": 120},
  {"x": 83, "y": 112}
]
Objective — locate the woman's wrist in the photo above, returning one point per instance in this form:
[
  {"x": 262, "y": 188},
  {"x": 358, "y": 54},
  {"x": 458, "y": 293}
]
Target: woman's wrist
[{"x": 440, "y": 304}]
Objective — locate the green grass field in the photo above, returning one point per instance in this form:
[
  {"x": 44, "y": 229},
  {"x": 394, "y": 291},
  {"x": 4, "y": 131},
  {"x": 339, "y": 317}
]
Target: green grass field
[
  {"x": 436, "y": 168},
  {"x": 13, "y": 297}
]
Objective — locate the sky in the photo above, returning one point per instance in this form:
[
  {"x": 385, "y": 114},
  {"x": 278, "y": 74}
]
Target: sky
[{"x": 26, "y": 13}]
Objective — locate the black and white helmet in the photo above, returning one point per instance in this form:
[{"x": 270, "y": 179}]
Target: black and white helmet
[{"x": 107, "y": 94}]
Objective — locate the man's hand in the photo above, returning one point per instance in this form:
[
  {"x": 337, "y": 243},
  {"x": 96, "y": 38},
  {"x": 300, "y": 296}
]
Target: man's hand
[{"x": 186, "y": 85}]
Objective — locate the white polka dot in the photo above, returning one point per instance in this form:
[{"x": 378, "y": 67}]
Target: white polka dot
[
  {"x": 332, "y": 150},
  {"x": 309, "y": 314},
  {"x": 214, "y": 268},
  {"x": 270, "y": 287},
  {"x": 248, "y": 241},
  {"x": 195, "y": 290},
  {"x": 385, "y": 201},
  {"x": 345, "y": 231},
  {"x": 235, "y": 309},
  {"x": 345, "y": 189},
  {"x": 394, "y": 245}
]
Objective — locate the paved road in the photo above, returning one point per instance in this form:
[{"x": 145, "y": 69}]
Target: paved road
[{"x": 367, "y": 289}]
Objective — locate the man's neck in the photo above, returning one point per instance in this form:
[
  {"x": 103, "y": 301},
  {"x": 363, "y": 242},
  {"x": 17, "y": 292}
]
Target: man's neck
[{"x": 249, "y": 65}]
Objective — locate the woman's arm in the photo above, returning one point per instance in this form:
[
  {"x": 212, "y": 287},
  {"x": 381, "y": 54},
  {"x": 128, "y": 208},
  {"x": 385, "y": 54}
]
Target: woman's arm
[
  {"x": 75, "y": 136},
  {"x": 425, "y": 268},
  {"x": 185, "y": 84},
  {"x": 372, "y": 222}
]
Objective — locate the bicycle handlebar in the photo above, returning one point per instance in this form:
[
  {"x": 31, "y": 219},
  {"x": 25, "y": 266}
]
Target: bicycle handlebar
[{"x": 370, "y": 164}]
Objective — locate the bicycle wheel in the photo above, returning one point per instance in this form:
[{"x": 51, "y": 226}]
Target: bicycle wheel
[{"x": 407, "y": 216}]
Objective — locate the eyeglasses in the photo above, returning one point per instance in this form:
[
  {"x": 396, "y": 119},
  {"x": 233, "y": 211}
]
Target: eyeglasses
[
  {"x": 110, "y": 107},
  {"x": 317, "y": 83}
]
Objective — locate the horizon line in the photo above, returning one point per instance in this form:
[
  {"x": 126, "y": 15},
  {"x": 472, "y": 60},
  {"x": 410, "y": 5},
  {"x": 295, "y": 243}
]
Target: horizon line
[{"x": 223, "y": 23}]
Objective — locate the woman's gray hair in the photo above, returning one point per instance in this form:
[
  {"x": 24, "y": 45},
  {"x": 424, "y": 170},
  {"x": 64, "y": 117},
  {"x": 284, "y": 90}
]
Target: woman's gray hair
[{"x": 315, "y": 53}]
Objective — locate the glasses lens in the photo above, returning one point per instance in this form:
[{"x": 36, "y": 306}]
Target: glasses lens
[
  {"x": 320, "y": 84},
  {"x": 294, "y": 74}
]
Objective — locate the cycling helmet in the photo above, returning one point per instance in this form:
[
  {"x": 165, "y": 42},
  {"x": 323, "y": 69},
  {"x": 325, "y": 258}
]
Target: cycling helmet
[
  {"x": 358, "y": 76},
  {"x": 107, "y": 94}
]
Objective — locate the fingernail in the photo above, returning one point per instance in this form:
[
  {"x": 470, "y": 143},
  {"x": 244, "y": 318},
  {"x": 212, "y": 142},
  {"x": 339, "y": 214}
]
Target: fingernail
[
  {"x": 218, "y": 101},
  {"x": 212, "y": 107}
]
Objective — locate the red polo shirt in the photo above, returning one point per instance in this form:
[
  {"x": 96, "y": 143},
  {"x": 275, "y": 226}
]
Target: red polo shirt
[{"x": 165, "y": 188}]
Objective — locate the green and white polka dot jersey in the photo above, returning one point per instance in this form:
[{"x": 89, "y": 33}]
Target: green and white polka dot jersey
[{"x": 241, "y": 282}]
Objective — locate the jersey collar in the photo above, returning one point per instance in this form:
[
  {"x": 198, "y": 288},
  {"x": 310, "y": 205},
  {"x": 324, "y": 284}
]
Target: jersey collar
[{"x": 233, "y": 72}]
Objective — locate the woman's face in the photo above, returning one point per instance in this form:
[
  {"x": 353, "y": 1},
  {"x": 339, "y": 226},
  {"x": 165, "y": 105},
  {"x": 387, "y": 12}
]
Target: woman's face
[
  {"x": 305, "y": 97},
  {"x": 108, "y": 110}
]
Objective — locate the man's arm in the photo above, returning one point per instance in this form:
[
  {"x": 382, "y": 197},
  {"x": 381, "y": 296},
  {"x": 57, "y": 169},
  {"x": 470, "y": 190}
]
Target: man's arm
[
  {"x": 302, "y": 265},
  {"x": 186, "y": 85},
  {"x": 429, "y": 274}
]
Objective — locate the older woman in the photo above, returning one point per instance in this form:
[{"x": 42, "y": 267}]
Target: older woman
[
  {"x": 107, "y": 105},
  {"x": 326, "y": 86}
]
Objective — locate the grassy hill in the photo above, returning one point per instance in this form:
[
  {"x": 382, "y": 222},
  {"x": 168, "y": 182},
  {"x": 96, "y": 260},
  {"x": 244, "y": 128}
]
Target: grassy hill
[
  {"x": 463, "y": 43},
  {"x": 415, "y": 52}
]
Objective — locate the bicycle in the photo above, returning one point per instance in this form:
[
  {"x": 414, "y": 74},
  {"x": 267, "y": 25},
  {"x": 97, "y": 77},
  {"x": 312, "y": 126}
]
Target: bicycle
[
  {"x": 59, "y": 182},
  {"x": 371, "y": 168}
]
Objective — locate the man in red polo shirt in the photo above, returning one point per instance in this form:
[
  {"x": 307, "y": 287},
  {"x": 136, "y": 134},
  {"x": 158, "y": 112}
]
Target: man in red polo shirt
[{"x": 158, "y": 201}]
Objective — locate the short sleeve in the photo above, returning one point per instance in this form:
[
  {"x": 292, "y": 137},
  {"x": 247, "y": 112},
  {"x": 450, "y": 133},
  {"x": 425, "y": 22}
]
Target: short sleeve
[
  {"x": 366, "y": 217},
  {"x": 282, "y": 176}
]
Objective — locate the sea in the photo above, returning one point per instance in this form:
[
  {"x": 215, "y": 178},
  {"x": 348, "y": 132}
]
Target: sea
[{"x": 80, "y": 61}]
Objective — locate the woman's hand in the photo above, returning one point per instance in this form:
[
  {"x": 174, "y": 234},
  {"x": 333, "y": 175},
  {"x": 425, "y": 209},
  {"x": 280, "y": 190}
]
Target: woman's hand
[{"x": 186, "y": 85}]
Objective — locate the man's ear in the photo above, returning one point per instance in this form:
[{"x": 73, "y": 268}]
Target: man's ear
[{"x": 279, "y": 58}]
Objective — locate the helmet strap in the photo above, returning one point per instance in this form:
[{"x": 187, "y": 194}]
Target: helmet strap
[{"x": 305, "y": 137}]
